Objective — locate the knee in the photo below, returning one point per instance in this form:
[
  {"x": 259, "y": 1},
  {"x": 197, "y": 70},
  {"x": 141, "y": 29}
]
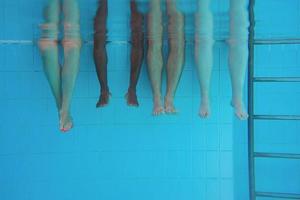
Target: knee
[
  {"x": 154, "y": 45},
  {"x": 49, "y": 31},
  {"x": 99, "y": 47},
  {"x": 99, "y": 40},
  {"x": 137, "y": 39},
  {"x": 72, "y": 38},
  {"x": 45, "y": 44},
  {"x": 177, "y": 52},
  {"x": 72, "y": 30},
  {"x": 71, "y": 43},
  {"x": 238, "y": 41},
  {"x": 155, "y": 34},
  {"x": 205, "y": 41},
  {"x": 71, "y": 11}
]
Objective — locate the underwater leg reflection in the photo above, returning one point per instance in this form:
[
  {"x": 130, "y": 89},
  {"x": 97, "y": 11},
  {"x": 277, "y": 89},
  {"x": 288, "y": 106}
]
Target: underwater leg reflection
[{"x": 100, "y": 54}]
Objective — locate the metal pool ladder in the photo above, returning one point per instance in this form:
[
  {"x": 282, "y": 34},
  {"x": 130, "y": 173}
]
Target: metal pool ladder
[{"x": 252, "y": 154}]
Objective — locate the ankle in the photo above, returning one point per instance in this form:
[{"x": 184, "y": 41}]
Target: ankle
[
  {"x": 237, "y": 101},
  {"x": 157, "y": 100},
  {"x": 64, "y": 113},
  {"x": 169, "y": 98},
  {"x": 105, "y": 91},
  {"x": 131, "y": 90}
]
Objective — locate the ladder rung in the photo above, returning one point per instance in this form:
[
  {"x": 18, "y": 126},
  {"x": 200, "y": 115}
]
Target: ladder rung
[
  {"x": 276, "y": 79},
  {"x": 277, "y": 41},
  {"x": 276, "y": 155},
  {"x": 278, "y": 195},
  {"x": 276, "y": 117}
]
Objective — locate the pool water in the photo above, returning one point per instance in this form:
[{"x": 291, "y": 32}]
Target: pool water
[{"x": 120, "y": 152}]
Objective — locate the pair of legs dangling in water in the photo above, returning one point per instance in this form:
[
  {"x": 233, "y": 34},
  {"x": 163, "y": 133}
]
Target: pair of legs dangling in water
[
  {"x": 100, "y": 54},
  {"x": 61, "y": 78},
  {"x": 238, "y": 53},
  {"x": 155, "y": 58}
]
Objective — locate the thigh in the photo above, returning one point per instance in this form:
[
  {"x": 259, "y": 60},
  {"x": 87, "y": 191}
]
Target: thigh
[
  {"x": 71, "y": 11},
  {"x": 52, "y": 11}
]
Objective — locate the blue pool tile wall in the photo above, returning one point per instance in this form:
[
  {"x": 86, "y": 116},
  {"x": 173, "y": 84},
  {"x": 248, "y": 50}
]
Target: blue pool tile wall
[{"x": 119, "y": 152}]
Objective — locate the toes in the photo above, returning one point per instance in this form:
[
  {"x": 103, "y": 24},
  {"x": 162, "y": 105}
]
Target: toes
[
  {"x": 65, "y": 123},
  {"x": 63, "y": 129},
  {"x": 170, "y": 110},
  {"x": 204, "y": 114},
  {"x": 103, "y": 100},
  {"x": 102, "y": 103},
  {"x": 240, "y": 110},
  {"x": 158, "y": 111},
  {"x": 133, "y": 104},
  {"x": 68, "y": 125},
  {"x": 132, "y": 99},
  {"x": 245, "y": 116},
  {"x": 204, "y": 110},
  {"x": 66, "y": 129},
  {"x": 239, "y": 116},
  {"x": 242, "y": 115},
  {"x": 61, "y": 126}
]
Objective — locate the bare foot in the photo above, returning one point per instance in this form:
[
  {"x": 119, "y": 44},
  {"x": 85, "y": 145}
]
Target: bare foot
[
  {"x": 66, "y": 122},
  {"x": 104, "y": 99},
  {"x": 204, "y": 110},
  {"x": 169, "y": 106},
  {"x": 158, "y": 108},
  {"x": 240, "y": 110},
  {"x": 132, "y": 98}
]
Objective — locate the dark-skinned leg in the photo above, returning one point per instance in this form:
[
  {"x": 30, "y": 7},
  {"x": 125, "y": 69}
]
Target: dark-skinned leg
[
  {"x": 100, "y": 54},
  {"x": 176, "y": 54},
  {"x": 137, "y": 52},
  {"x": 154, "y": 56}
]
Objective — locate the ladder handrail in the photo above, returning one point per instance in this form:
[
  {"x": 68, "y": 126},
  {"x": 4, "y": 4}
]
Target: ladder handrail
[{"x": 251, "y": 160}]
